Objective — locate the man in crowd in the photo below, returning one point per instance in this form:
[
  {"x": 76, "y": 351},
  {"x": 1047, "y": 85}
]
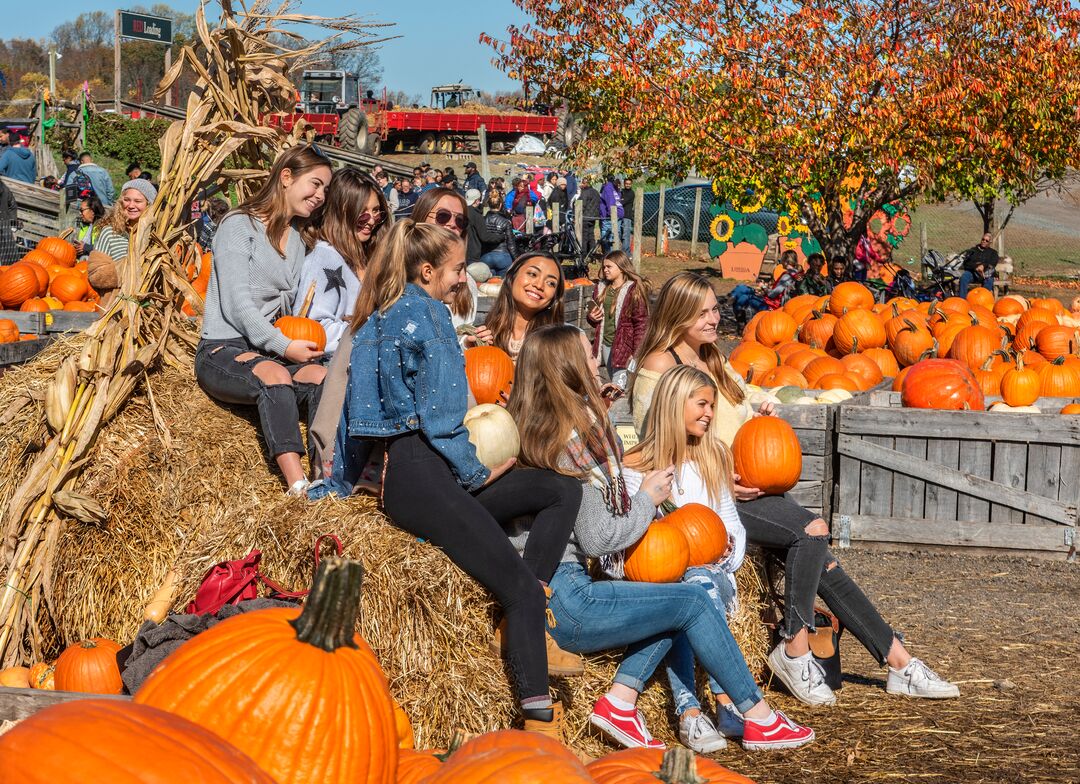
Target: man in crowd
[
  {"x": 5, "y": 139},
  {"x": 477, "y": 235},
  {"x": 979, "y": 264},
  {"x": 610, "y": 197},
  {"x": 96, "y": 179},
  {"x": 406, "y": 198},
  {"x": 18, "y": 162},
  {"x": 590, "y": 216},
  {"x": 473, "y": 180},
  {"x": 389, "y": 191},
  {"x": 626, "y": 225},
  {"x": 133, "y": 171},
  {"x": 838, "y": 271}
]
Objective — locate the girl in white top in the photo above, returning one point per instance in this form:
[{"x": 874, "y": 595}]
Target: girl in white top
[
  {"x": 347, "y": 235},
  {"x": 676, "y": 433}
]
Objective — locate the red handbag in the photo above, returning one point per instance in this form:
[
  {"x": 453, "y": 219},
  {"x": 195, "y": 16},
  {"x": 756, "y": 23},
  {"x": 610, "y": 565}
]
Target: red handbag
[{"x": 232, "y": 582}]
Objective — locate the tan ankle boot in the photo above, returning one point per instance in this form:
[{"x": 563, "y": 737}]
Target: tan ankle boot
[
  {"x": 559, "y": 662},
  {"x": 546, "y": 721}
]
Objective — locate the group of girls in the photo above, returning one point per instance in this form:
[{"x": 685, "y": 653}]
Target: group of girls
[{"x": 401, "y": 384}]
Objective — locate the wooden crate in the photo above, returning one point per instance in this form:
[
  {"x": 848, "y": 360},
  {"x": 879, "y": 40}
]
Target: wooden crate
[
  {"x": 18, "y": 704},
  {"x": 42, "y": 212},
  {"x": 45, "y": 325},
  {"x": 969, "y": 479}
]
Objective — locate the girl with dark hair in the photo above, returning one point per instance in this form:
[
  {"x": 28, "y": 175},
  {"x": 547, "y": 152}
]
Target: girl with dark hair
[
  {"x": 243, "y": 359},
  {"x": 530, "y": 297},
  {"x": 346, "y": 236},
  {"x": 407, "y": 389},
  {"x": 87, "y": 230}
]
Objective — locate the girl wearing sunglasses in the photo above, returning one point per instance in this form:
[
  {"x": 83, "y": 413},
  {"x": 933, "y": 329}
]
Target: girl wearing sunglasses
[
  {"x": 346, "y": 236},
  {"x": 447, "y": 208}
]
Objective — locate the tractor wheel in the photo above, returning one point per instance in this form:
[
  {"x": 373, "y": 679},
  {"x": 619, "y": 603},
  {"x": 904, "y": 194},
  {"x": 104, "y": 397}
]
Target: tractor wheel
[
  {"x": 444, "y": 145},
  {"x": 427, "y": 144},
  {"x": 353, "y": 131},
  {"x": 569, "y": 131},
  {"x": 375, "y": 145}
]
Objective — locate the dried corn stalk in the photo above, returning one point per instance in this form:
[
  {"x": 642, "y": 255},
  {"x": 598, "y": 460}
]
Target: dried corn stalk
[{"x": 241, "y": 72}]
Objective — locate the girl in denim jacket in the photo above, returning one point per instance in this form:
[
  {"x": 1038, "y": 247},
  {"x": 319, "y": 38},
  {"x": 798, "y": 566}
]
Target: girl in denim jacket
[{"x": 407, "y": 387}]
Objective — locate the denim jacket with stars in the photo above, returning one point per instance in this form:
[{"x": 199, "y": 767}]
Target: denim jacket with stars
[{"x": 407, "y": 374}]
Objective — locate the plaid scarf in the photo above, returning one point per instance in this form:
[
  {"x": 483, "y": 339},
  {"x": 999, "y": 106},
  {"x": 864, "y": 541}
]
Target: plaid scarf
[{"x": 600, "y": 457}]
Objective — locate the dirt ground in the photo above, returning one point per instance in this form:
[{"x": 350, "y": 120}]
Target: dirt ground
[{"x": 1004, "y": 628}]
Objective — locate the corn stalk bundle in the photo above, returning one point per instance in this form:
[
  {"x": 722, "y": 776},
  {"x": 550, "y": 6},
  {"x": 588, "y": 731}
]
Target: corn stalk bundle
[{"x": 241, "y": 68}]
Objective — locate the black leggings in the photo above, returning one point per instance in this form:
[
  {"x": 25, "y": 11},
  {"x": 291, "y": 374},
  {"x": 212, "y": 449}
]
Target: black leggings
[
  {"x": 225, "y": 379},
  {"x": 778, "y": 523},
  {"x": 421, "y": 496}
]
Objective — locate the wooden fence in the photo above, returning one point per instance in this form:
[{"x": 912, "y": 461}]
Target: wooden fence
[
  {"x": 42, "y": 212},
  {"x": 958, "y": 478}
]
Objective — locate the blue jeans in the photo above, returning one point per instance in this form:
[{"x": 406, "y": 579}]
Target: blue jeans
[
  {"x": 626, "y": 227},
  {"x": 498, "y": 261},
  {"x": 647, "y": 618},
  {"x": 607, "y": 238},
  {"x": 967, "y": 279},
  {"x": 680, "y": 661}
]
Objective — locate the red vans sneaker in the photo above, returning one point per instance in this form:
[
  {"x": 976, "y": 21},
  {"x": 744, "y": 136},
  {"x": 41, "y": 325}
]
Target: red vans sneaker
[
  {"x": 627, "y": 728},
  {"x": 781, "y": 733}
]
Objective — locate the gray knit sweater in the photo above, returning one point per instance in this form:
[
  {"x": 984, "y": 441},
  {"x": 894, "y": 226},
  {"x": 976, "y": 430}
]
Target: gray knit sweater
[
  {"x": 597, "y": 531},
  {"x": 250, "y": 284}
]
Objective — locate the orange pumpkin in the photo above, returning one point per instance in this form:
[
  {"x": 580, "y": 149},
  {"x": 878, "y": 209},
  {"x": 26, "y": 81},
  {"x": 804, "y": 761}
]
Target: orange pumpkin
[
  {"x": 43, "y": 676},
  {"x": 40, "y": 258},
  {"x": 946, "y": 384},
  {"x": 118, "y": 741},
  {"x": 1020, "y": 385},
  {"x": 751, "y": 325},
  {"x": 989, "y": 374},
  {"x": 1058, "y": 379},
  {"x": 817, "y": 330},
  {"x": 403, "y": 727},
  {"x": 40, "y": 273},
  {"x": 300, "y": 328},
  {"x": 1057, "y": 341},
  {"x": 69, "y": 287},
  {"x": 34, "y": 306},
  {"x": 648, "y": 766},
  {"x": 9, "y": 332},
  {"x": 662, "y": 555},
  {"x": 972, "y": 345},
  {"x": 18, "y": 283},
  {"x": 704, "y": 531},
  {"x": 898, "y": 382},
  {"x": 850, "y": 296},
  {"x": 90, "y": 666},
  {"x": 862, "y": 369},
  {"x": 785, "y": 350},
  {"x": 61, "y": 250},
  {"x": 767, "y": 455},
  {"x": 885, "y": 359},
  {"x": 980, "y": 296},
  {"x": 799, "y": 360},
  {"x": 761, "y": 358},
  {"x": 328, "y": 716},
  {"x": 821, "y": 366},
  {"x": 15, "y": 677},
  {"x": 1008, "y": 306},
  {"x": 53, "y": 303},
  {"x": 785, "y": 376},
  {"x": 1071, "y": 408},
  {"x": 774, "y": 328},
  {"x": 415, "y": 767},
  {"x": 511, "y": 756},
  {"x": 490, "y": 372},
  {"x": 858, "y": 330},
  {"x": 840, "y": 381},
  {"x": 955, "y": 304},
  {"x": 81, "y": 307}
]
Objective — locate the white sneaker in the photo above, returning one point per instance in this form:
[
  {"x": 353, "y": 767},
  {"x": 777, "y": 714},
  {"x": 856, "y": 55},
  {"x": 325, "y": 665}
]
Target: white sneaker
[
  {"x": 918, "y": 680},
  {"x": 803, "y": 677},
  {"x": 729, "y": 722},
  {"x": 299, "y": 488},
  {"x": 698, "y": 734}
]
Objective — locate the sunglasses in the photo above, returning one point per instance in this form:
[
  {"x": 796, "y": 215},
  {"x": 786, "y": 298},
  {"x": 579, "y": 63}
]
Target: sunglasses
[
  {"x": 375, "y": 217},
  {"x": 443, "y": 217}
]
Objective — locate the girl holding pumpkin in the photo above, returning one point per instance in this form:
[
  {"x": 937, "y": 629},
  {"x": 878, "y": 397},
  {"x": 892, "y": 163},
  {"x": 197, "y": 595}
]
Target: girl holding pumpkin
[
  {"x": 564, "y": 427},
  {"x": 242, "y": 358},
  {"x": 774, "y": 522},
  {"x": 110, "y": 248},
  {"x": 530, "y": 297},
  {"x": 434, "y": 486},
  {"x": 346, "y": 235},
  {"x": 620, "y": 311}
]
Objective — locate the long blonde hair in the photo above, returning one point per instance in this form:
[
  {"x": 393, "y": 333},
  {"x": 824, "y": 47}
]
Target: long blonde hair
[
  {"x": 555, "y": 394},
  {"x": 666, "y": 442},
  {"x": 678, "y": 306},
  {"x": 398, "y": 260}
]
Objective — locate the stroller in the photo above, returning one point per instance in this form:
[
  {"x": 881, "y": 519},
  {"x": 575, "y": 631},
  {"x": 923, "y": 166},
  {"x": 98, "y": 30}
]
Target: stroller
[
  {"x": 939, "y": 281},
  {"x": 563, "y": 246}
]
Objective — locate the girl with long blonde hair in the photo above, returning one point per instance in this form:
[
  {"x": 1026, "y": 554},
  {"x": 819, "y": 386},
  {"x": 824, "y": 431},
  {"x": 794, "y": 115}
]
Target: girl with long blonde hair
[{"x": 564, "y": 427}]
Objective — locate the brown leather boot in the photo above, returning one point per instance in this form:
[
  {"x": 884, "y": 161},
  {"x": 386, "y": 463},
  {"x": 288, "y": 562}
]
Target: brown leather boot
[
  {"x": 546, "y": 721},
  {"x": 559, "y": 662}
]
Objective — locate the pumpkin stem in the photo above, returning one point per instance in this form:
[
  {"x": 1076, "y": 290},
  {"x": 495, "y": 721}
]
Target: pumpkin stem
[
  {"x": 333, "y": 605},
  {"x": 679, "y": 767}
]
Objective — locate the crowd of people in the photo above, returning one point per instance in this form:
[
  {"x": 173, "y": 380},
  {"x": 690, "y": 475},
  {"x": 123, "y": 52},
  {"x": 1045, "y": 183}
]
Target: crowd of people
[{"x": 390, "y": 391}]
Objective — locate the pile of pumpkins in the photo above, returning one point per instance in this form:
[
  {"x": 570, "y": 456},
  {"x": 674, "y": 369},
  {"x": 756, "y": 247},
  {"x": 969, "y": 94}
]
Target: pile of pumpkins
[
  {"x": 290, "y": 696},
  {"x": 845, "y": 341},
  {"x": 47, "y": 278}
]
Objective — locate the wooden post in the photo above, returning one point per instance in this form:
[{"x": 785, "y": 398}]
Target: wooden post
[
  {"x": 82, "y": 120},
  {"x": 485, "y": 170},
  {"x": 639, "y": 213},
  {"x": 168, "y": 65},
  {"x": 529, "y": 215},
  {"x": 579, "y": 222},
  {"x": 696, "y": 222},
  {"x": 922, "y": 248},
  {"x": 616, "y": 243},
  {"x": 554, "y": 218},
  {"x": 661, "y": 230},
  {"x": 116, "y": 65}
]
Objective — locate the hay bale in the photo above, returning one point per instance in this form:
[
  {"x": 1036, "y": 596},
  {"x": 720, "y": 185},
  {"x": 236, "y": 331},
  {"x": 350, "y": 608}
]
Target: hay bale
[{"x": 211, "y": 496}]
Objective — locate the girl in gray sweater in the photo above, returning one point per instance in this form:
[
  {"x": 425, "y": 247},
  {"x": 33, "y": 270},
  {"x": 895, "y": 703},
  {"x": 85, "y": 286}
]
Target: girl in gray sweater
[{"x": 243, "y": 359}]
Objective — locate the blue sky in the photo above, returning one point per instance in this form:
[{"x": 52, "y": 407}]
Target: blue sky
[{"x": 448, "y": 27}]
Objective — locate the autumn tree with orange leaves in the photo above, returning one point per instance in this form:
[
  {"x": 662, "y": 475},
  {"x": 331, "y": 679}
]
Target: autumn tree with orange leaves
[{"x": 817, "y": 104}]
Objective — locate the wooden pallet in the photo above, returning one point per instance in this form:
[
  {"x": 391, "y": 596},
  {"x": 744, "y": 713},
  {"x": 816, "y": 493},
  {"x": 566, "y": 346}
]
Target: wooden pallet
[
  {"x": 18, "y": 704},
  {"x": 989, "y": 480},
  {"x": 41, "y": 211},
  {"x": 45, "y": 325}
]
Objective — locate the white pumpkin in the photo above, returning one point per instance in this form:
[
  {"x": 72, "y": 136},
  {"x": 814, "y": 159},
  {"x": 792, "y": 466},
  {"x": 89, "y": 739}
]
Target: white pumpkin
[
  {"x": 490, "y": 289},
  {"x": 834, "y": 396},
  {"x": 804, "y": 401},
  {"x": 493, "y": 432},
  {"x": 1004, "y": 407}
]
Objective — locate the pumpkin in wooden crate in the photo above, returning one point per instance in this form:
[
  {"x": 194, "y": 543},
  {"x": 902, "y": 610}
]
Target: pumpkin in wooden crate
[
  {"x": 946, "y": 384},
  {"x": 981, "y": 296},
  {"x": 662, "y": 555},
  {"x": 514, "y": 757},
  {"x": 912, "y": 343},
  {"x": 18, "y": 283},
  {"x": 849, "y": 296},
  {"x": 9, "y": 331},
  {"x": 1071, "y": 408},
  {"x": 705, "y": 533},
  {"x": 1008, "y": 306},
  {"x": 858, "y": 330},
  {"x": 90, "y": 666},
  {"x": 885, "y": 359},
  {"x": 774, "y": 328},
  {"x": 785, "y": 376},
  {"x": 1020, "y": 385},
  {"x": 300, "y": 328},
  {"x": 840, "y": 381},
  {"x": 35, "y": 305},
  {"x": 79, "y": 306},
  {"x": 821, "y": 366},
  {"x": 69, "y": 287},
  {"x": 490, "y": 372},
  {"x": 862, "y": 369},
  {"x": 761, "y": 359},
  {"x": 40, "y": 273},
  {"x": 767, "y": 455},
  {"x": 989, "y": 374},
  {"x": 1059, "y": 379},
  {"x": 60, "y": 249},
  {"x": 1057, "y": 341},
  {"x": 648, "y": 766},
  {"x": 15, "y": 677},
  {"x": 972, "y": 345},
  {"x": 41, "y": 258},
  {"x": 117, "y": 741},
  {"x": 297, "y": 690},
  {"x": 43, "y": 676},
  {"x": 494, "y": 434}
]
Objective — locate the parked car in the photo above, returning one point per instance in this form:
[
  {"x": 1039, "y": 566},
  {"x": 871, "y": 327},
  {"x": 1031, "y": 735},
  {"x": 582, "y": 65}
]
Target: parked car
[{"x": 679, "y": 212}]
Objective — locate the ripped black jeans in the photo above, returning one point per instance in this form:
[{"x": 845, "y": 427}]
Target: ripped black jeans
[
  {"x": 225, "y": 379},
  {"x": 810, "y": 569}
]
